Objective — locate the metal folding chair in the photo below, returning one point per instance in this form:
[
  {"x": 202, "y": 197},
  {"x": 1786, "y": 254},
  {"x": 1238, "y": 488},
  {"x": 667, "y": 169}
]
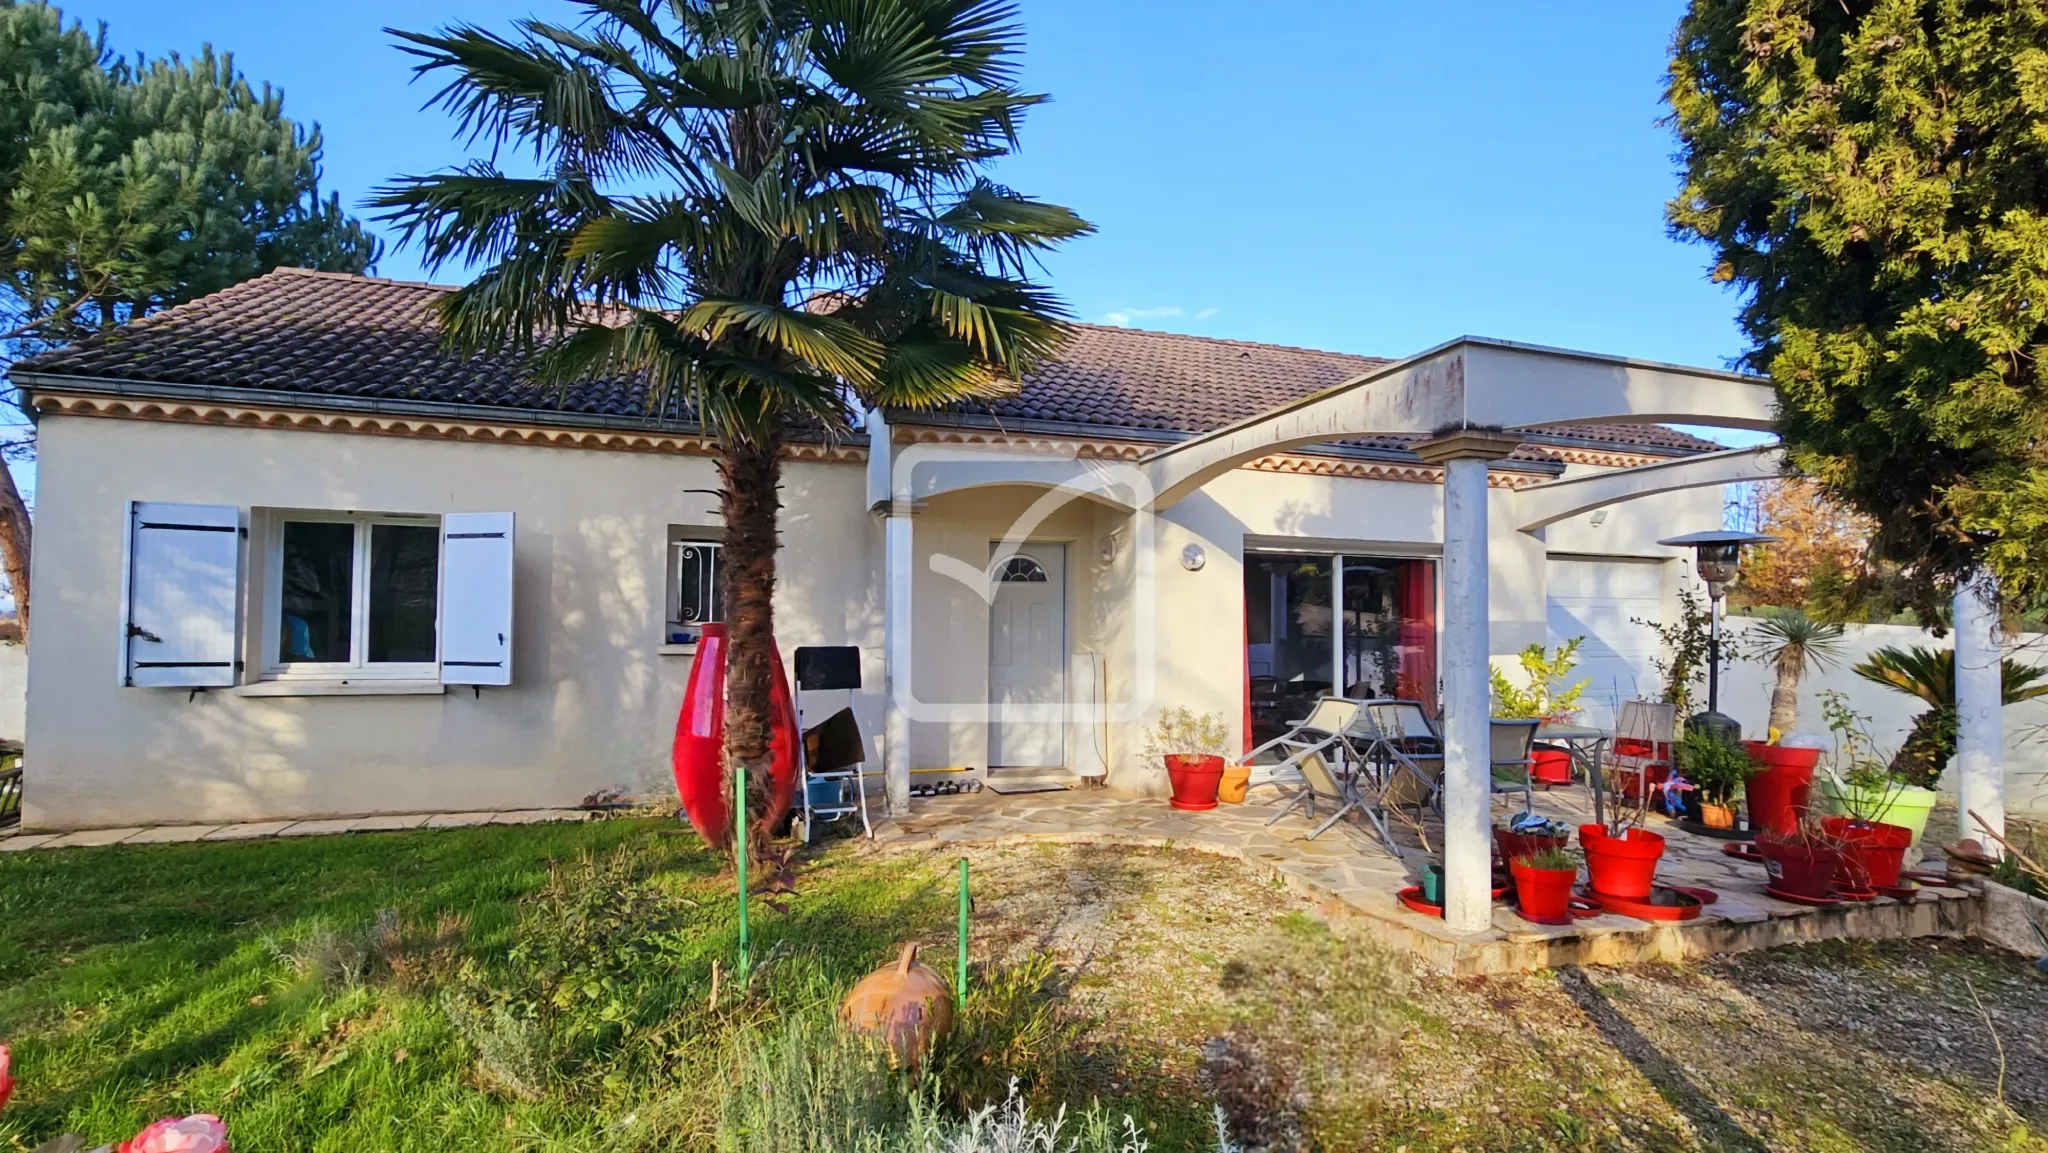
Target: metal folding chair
[
  {"x": 1643, "y": 736},
  {"x": 1403, "y": 749},
  {"x": 1324, "y": 728},
  {"x": 1321, "y": 783},
  {"x": 1512, "y": 742}
]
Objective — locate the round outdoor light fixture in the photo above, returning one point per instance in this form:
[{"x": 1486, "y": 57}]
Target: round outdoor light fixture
[{"x": 1192, "y": 558}]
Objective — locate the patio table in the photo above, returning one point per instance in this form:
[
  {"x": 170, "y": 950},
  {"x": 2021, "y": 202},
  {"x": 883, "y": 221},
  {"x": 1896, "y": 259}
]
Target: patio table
[{"x": 1586, "y": 745}]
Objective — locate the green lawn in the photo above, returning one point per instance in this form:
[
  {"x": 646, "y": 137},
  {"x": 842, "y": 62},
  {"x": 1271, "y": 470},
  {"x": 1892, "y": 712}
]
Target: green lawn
[
  {"x": 547, "y": 987},
  {"x": 138, "y": 982}
]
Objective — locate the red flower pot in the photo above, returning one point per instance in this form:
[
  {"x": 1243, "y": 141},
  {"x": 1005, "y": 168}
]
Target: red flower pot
[
  {"x": 1512, "y": 844},
  {"x": 1624, "y": 866},
  {"x": 1778, "y": 795},
  {"x": 1545, "y": 895},
  {"x": 1194, "y": 777},
  {"x": 1550, "y": 766},
  {"x": 698, "y": 757},
  {"x": 1798, "y": 869},
  {"x": 1872, "y": 852}
]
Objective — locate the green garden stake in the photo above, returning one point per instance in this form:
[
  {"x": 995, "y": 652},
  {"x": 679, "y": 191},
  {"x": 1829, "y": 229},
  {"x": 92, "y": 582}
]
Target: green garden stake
[
  {"x": 960, "y": 966},
  {"x": 739, "y": 809}
]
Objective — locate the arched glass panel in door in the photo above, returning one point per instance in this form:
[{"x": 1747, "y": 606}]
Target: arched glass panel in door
[{"x": 1022, "y": 569}]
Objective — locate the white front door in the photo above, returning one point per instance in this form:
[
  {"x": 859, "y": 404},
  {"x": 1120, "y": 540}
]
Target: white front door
[{"x": 1027, "y": 659}]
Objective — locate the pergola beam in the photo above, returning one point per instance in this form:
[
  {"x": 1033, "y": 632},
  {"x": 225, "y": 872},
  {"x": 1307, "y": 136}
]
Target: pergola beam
[{"x": 1540, "y": 506}]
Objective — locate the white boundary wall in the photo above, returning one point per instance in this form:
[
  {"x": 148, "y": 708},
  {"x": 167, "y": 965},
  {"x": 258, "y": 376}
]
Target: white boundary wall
[{"x": 1746, "y": 696}]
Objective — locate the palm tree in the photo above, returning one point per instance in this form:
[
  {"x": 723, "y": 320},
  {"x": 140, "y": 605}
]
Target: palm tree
[
  {"x": 1930, "y": 675},
  {"x": 772, "y": 212},
  {"x": 1796, "y": 644}
]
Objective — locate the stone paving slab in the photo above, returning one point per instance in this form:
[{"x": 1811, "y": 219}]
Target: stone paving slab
[
  {"x": 459, "y": 820},
  {"x": 319, "y": 828},
  {"x": 389, "y": 823},
  {"x": 1349, "y": 864},
  {"x": 21, "y": 841},
  {"x": 171, "y": 834},
  {"x": 249, "y": 830},
  {"x": 91, "y": 838}
]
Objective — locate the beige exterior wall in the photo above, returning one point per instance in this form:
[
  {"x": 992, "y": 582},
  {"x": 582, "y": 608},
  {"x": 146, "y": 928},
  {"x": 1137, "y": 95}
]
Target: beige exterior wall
[{"x": 593, "y": 700}]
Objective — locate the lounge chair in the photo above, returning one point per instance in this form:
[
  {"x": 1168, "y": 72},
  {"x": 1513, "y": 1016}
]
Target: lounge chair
[
  {"x": 1324, "y": 729},
  {"x": 1512, "y": 742},
  {"x": 1321, "y": 783}
]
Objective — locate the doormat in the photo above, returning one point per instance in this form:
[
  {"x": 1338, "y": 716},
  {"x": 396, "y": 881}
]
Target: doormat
[{"x": 1018, "y": 790}]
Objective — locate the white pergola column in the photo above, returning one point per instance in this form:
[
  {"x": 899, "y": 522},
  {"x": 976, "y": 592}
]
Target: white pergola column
[
  {"x": 1465, "y": 658},
  {"x": 897, "y": 556},
  {"x": 1980, "y": 701}
]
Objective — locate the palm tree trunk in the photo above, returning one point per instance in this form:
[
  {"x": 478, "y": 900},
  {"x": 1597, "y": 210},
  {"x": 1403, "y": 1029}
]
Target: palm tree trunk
[
  {"x": 14, "y": 544},
  {"x": 750, "y": 472},
  {"x": 1785, "y": 697}
]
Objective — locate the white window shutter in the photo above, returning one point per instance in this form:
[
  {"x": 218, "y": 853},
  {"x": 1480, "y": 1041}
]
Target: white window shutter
[
  {"x": 180, "y": 596},
  {"x": 476, "y": 598}
]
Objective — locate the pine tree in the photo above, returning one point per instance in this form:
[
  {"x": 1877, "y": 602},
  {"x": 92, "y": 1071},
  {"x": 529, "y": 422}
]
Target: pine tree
[{"x": 1874, "y": 177}]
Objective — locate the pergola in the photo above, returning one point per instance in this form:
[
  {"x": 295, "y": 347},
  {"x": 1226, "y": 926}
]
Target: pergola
[{"x": 1464, "y": 396}]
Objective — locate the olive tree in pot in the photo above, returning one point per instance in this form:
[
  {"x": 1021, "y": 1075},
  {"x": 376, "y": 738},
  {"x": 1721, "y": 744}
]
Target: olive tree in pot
[{"x": 1191, "y": 745}]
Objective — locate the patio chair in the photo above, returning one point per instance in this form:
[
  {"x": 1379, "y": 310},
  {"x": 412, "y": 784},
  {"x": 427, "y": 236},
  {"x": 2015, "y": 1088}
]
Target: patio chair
[
  {"x": 1641, "y": 749},
  {"x": 1401, "y": 746},
  {"x": 1512, "y": 741},
  {"x": 1321, "y": 783},
  {"x": 1324, "y": 728}
]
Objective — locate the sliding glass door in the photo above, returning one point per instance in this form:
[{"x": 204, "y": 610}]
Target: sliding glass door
[{"x": 1381, "y": 641}]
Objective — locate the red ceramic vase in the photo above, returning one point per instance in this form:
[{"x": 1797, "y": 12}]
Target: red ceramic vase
[
  {"x": 1624, "y": 866},
  {"x": 1544, "y": 895},
  {"x": 699, "y": 753},
  {"x": 1873, "y": 853},
  {"x": 1195, "y": 778},
  {"x": 1779, "y": 794}
]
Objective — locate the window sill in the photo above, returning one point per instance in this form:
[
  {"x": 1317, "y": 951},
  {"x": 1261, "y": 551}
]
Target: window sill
[
  {"x": 688, "y": 650},
  {"x": 368, "y": 688}
]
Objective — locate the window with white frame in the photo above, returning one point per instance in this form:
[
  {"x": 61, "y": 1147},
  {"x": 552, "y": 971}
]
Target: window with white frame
[
  {"x": 353, "y": 595},
  {"x": 695, "y": 590}
]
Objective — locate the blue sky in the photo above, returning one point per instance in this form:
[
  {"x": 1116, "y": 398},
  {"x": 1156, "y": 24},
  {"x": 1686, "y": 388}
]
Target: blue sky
[{"x": 1370, "y": 177}]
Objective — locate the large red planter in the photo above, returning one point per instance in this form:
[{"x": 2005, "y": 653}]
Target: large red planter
[
  {"x": 1550, "y": 766},
  {"x": 1873, "y": 853},
  {"x": 1195, "y": 778},
  {"x": 698, "y": 757},
  {"x": 1778, "y": 795},
  {"x": 1544, "y": 895},
  {"x": 1624, "y": 866},
  {"x": 1800, "y": 870}
]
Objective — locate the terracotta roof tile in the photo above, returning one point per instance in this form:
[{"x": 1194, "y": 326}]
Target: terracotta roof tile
[{"x": 326, "y": 334}]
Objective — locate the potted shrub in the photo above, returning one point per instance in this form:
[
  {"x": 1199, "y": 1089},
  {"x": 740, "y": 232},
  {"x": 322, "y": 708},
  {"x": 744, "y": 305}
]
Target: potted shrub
[
  {"x": 1803, "y": 862},
  {"x": 1191, "y": 745},
  {"x": 1930, "y": 675},
  {"x": 1525, "y": 833},
  {"x": 1547, "y": 698},
  {"x": 1868, "y": 787},
  {"x": 1792, "y": 643},
  {"x": 1715, "y": 769},
  {"x": 1621, "y": 855},
  {"x": 1543, "y": 884}
]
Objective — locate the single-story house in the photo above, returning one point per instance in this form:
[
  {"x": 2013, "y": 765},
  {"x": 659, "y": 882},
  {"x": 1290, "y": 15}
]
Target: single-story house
[{"x": 297, "y": 560}]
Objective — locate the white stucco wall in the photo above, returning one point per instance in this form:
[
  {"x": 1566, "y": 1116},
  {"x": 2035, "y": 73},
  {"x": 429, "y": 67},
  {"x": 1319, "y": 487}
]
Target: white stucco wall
[
  {"x": 593, "y": 703},
  {"x": 13, "y": 691},
  {"x": 1746, "y": 696}
]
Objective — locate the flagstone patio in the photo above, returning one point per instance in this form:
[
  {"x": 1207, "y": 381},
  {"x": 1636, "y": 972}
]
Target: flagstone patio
[{"x": 1355, "y": 875}]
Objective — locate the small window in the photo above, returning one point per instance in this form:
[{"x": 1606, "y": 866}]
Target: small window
[
  {"x": 354, "y": 595},
  {"x": 696, "y": 592},
  {"x": 1024, "y": 570}
]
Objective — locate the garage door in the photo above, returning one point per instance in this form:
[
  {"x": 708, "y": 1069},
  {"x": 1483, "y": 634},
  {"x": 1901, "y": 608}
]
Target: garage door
[{"x": 1597, "y": 598}]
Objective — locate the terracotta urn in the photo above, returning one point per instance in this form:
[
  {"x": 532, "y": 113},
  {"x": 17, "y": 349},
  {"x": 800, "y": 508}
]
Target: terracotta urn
[{"x": 906, "y": 1006}]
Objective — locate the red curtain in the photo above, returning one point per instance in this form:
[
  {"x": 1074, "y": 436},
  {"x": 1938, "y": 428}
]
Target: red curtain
[{"x": 1415, "y": 600}]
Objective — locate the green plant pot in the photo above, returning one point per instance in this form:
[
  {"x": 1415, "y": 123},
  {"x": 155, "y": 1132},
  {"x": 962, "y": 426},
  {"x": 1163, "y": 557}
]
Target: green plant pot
[{"x": 1895, "y": 804}]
